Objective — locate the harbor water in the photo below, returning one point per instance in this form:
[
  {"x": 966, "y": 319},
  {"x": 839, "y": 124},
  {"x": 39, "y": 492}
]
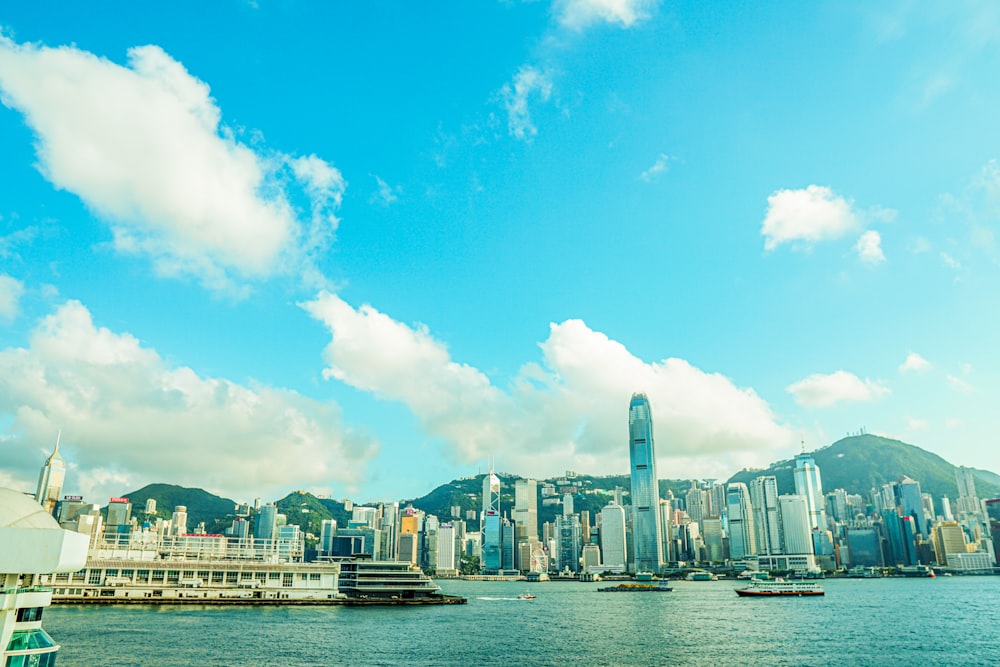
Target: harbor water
[{"x": 892, "y": 621}]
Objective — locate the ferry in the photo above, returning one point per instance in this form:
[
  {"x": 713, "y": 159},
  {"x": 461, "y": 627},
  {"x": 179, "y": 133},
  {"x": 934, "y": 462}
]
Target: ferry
[
  {"x": 638, "y": 587},
  {"x": 526, "y": 596},
  {"x": 779, "y": 587},
  {"x": 701, "y": 575},
  {"x": 917, "y": 571}
]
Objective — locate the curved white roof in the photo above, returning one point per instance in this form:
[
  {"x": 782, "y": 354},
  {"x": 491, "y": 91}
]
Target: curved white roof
[{"x": 18, "y": 510}]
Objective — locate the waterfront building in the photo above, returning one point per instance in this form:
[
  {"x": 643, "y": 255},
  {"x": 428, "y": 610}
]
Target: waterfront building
[
  {"x": 764, "y": 503},
  {"x": 809, "y": 485},
  {"x": 568, "y": 543},
  {"x": 993, "y": 516},
  {"x": 712, "y": 538},
  {"x": 492, "y": 537},
  {"x": 50, "y": 480},
  {"x": 948, "y": 538},
  {"x": 742, "y": 535},
  {"x": 32, "y": 548},
  {"x": 408, "y": 550},
  {"x": 977, "y": 561},
  {"x": 795, "y": 530},
  {"x": 864, "y": 548},
  {"x": 613, "y": 535},
  {"x": 591, "y": 557},
  {"x": 447, "y": 556},
  {"x": 647, "y": 531}
]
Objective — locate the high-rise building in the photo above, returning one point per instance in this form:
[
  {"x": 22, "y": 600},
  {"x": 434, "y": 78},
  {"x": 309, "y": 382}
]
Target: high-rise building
[
  {"x": 50, "y": 480},
  {"x": 327, "y": 531},
  {"x": 647, "y": 531},
  {"x": 367, "y": 516},
  {"x": 767, "y": 527},
  {"x": 712, "y": 537},
  {"x": 795, "y": 531},
  {"x": 178, "y": 520},
  {"x": 910, "y": 503},
  {"x": 696, "y": 501},
  {"x": 447, "y": 557},
  {"x": 526, "y": 507},
  {"x": 613, "y": 535},
  {"x": 266, "y": 524},
  {"x": 809, "y": 485},
  {"x": 568, "y": 543},
  {"x": 742, "y": 536},
  {"x": 968, "y": 501},
  {"x": 948, "y": 538}
]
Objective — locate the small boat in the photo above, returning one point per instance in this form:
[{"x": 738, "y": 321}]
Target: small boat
[
  {"x": 526, "y": 596},
  {"x": 779, "y": 587},
  {"x": 701, "y": 575}
]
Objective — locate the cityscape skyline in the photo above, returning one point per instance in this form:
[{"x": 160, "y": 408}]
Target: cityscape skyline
[{"x": 378, "y": 245}]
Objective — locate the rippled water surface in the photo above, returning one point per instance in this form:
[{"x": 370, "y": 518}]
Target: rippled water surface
[{"x": 943, "y": 621}]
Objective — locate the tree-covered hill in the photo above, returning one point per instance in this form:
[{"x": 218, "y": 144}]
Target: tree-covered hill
[
  {"x": 862, "y": 462},
  {"x": 202, "y": 506}
]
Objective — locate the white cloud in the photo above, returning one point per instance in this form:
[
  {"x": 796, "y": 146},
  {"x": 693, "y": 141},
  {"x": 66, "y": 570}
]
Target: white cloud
[
  {"x": 143, "y": 146},
  {"x": 950, "y": 261},
  {"x": 580, "y": 14},
  {"x": 914, "y": 362},
  {"x": 917, "y": 424},
  {"x": 808, "y": 216},
  {"x": 920, "y": 245},
  {"x": 821, "y": 391},
  {"x": 128, "y": 418},
  {"x": 869, "y": 247},
  {"x": 956, "y": 383},
  {"x": 568, "y": 410},
  {"x": 11, "y": 291},
  {"x": 386, "y": 194},
  {"x": 528, "y": 82},
  {"x": 656, "y": 169}
]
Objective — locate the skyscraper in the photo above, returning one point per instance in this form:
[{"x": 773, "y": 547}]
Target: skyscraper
[
  {"x": 50, "y": 480},
  {"x": 526, "y": 507},
  {"x": 742, "y": 539},
  {"x": 795, "y": 531},
  {"x": 767, "y": 527},
  {"x": 647, "y": 532},
  {"x": 613, "y": 535},
  {"x": 809, "y": 485}
]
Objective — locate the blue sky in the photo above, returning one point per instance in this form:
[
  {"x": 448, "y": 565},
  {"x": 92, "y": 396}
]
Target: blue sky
[{"x": 363, "y": 249}]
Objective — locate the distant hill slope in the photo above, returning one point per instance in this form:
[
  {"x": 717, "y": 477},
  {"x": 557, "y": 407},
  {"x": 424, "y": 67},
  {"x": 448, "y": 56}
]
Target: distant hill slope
[
  {"x": 860, "y": 463},
  {"x": 202, "y": 506},
  {"x": 308, "y": 512}
]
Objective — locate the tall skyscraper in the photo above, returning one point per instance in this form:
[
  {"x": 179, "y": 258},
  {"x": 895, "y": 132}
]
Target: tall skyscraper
[
  {"x": 795, "y": 531},
  {"x": 178, "y": 520},
  {"x": 968, "y": 501},
  {"x": 50, "y": 480},
  {"x": 613, "y": 535},
  {"x": 742, "y": 538},
  {"x": 647, "y": 532},
  {"x": 908, "y": 498},
  {"x": 526, "y": 507},
  {"x": 809, "y": 485},
  {"x": 266, "y": 524},
  {"x": 767, "y": 527}
]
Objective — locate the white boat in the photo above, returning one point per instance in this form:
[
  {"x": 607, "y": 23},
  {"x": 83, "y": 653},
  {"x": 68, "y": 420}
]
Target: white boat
[{"x": 778, "y": 588}]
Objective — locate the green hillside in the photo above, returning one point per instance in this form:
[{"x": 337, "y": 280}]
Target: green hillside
[
  {"x": 202, "y": 506},
  {"x": 308, "y": 512},
  {"x": 859, "y": 463}
]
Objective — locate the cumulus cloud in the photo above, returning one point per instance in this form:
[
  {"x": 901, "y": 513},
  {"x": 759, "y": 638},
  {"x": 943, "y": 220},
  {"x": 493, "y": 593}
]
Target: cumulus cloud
[
  {"x": 11, "y": 290},
  {"x": 581, "y": 14},
  {"x": 130, "y": 418},
  {"x": 914, "y": 362},
  {"x": 869, "y": 248},
  {"x": 656, "y": 169},
  {"x": 568, "y": 410},
  {"x": 806, "y": 216},
  {"x": 821, "y": 391},
  {"x": 528, "y": 82},
  {"x": 144, "y": 147}
]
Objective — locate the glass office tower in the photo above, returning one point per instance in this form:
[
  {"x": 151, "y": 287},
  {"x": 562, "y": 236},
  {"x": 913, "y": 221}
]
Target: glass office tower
[{"x": 647, "y": 530}]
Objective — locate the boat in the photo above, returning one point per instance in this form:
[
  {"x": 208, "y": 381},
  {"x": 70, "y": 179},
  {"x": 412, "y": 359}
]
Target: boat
[
  {"x": 701, "y": 575},
  {"x": 917, "y": 571},
  {"x": 526, "y": 596},
  {"x": 779, "y": 587},
  {"x": 638, "y": 587}
]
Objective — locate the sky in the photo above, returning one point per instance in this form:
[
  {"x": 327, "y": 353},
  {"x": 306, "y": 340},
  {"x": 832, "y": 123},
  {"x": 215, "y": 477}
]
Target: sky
[{"x": 362, "y": 249}]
